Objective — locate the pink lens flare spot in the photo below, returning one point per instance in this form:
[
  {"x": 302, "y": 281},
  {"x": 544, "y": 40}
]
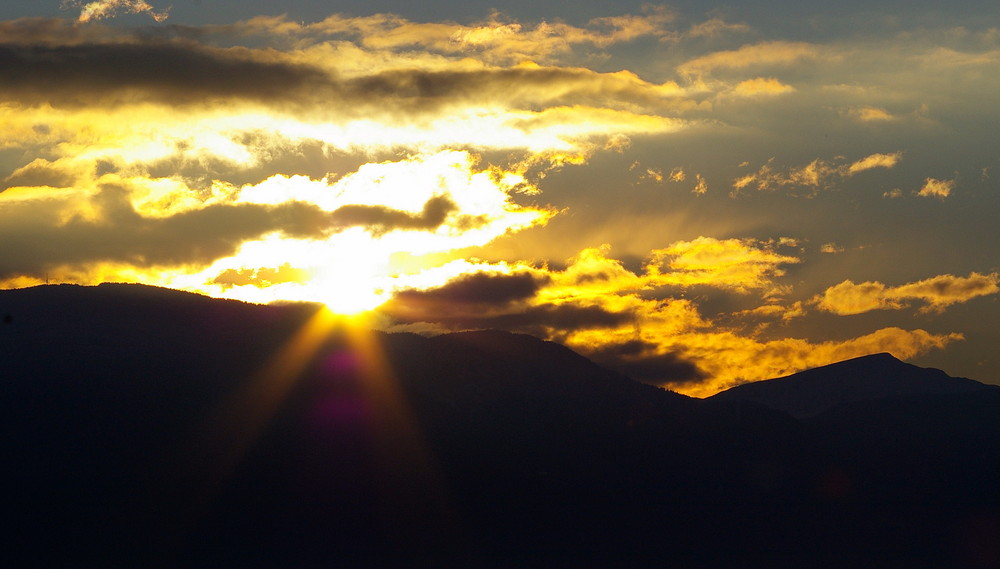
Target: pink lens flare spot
[
  {"x": 341, "y": 363},
  {"x": 339, "y": 412}
]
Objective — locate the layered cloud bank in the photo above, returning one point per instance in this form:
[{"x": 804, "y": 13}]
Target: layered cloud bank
[{"x": 667, "y": 215}]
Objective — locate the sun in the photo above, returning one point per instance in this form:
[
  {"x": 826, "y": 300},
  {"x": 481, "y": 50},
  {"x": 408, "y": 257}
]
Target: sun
[
  {"x": 349, "y": 273},
  {"x": 353, "y": 276},
  {"x": 346, "y": 294}
]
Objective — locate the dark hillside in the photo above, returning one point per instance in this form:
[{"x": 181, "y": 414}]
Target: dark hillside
[{"x": 144, "y": 427}]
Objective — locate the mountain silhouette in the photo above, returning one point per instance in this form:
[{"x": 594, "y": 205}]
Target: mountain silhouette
[
  {"x": 145, "y": 427},
  {"x": 867, "y": 378}
]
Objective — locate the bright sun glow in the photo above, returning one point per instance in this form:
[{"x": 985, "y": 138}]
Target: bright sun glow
[
  {"x": 423, "y": 205},
  {"x": 352, "y": 282},
  {"x": 348, "y": 273}
]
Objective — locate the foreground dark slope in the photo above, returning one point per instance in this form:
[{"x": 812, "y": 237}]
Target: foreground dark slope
[
  {"x": 148, "y": 427},
  {"x": 902, "y": 427},
  {"x": 909, "y": 453}
]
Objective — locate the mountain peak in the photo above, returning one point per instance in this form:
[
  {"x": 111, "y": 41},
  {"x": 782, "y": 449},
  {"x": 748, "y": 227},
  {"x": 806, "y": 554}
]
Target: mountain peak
[
  {"x": 878, "y": 356},
  {"x": 865, "y": 378}
]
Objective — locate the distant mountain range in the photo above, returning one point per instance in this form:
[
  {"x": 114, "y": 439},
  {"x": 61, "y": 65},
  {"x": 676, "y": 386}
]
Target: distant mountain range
[
  {"x": 868, "y": 378},
  {"x": 145, "y": 427}
]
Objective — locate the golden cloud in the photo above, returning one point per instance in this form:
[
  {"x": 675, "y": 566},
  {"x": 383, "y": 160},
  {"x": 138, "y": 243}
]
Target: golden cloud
[
  {"x": 730, "y": 360},
  {"x": 774, "y": 53},
  {"x": 944, "y": 290},
  {"x": 716, "y": 359},
  {"x": 785, "y": 313},
  {"x": 875, "y": 161},
  {"x": 701, "y": 186},
  {"x": 850, "y": 298},
  {"x": 761, "y": 86},
  {"x": 737, "y": 264},
  {"x": 102, "y": 9},
  {"x": 870, "y": 114},
  {"x": 938, "y": 292},
  {"x": 600, "y": 308},
  {"x": 934, "y": 188},
  {"x": 893, "y": 194},
  {"x": 495, "y": 40},
  {"x": 716, "y": 27},
  {"x": 814, "y": 176}
]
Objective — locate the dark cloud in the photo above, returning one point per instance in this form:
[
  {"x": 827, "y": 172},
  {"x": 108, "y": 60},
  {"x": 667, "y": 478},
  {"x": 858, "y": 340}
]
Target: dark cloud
[
  {"x": 33, "y": 238},
  {"x": 381, "y": 219},
  {"x": 176, "y": 73},
  {"x": 631, "y": 348},
  {"x": 540, "y": 320},
  {"x": 590, "y": 278},
  {"x": 640, "y": 361},
  {"x": 477, "y": 288},
  {"x": 478, "y": 300},
  {"x": 559, "y": 317}
]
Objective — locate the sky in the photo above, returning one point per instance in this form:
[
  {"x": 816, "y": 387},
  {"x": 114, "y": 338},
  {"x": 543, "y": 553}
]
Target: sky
[{"x": 696, "y": 195}]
